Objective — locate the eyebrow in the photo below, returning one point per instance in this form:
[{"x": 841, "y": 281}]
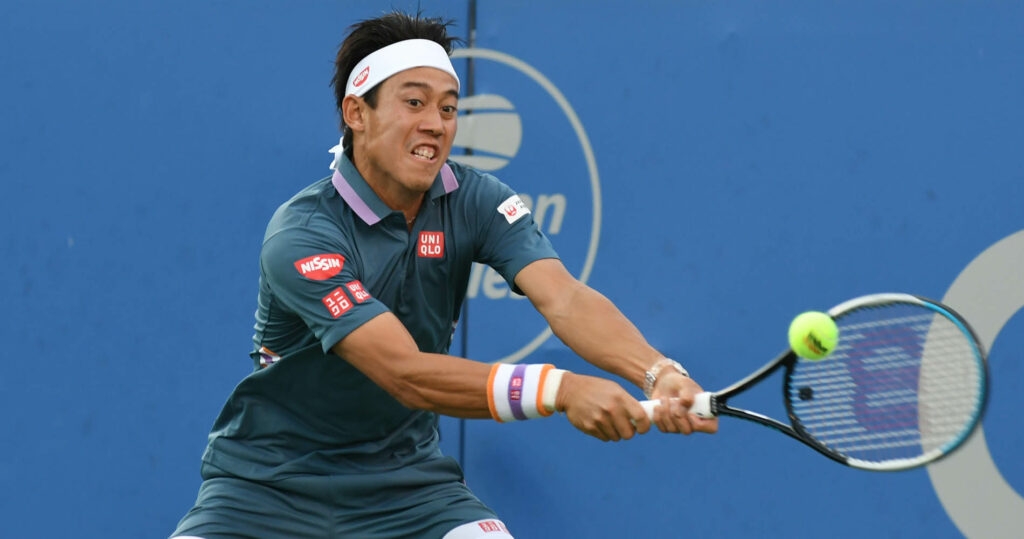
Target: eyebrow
[{"x": 427, "y": 87}]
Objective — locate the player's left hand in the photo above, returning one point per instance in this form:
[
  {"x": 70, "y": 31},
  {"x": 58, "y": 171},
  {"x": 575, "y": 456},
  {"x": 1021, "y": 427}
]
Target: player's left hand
[{"x": 676, "y": 394}]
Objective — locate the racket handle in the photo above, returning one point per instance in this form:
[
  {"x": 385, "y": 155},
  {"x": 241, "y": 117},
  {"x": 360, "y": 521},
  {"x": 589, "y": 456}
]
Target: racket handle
[{"x": 701, "y": 406}]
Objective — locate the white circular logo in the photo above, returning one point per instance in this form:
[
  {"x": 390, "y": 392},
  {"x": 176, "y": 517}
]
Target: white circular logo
[
  {"x": 490, "y": 126},
  {"x": 976, "y": 496}
]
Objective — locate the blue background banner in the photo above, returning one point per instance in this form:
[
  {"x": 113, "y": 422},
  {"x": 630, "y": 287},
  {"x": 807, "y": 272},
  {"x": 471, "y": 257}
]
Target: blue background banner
[{"x": 713, "y": 168}]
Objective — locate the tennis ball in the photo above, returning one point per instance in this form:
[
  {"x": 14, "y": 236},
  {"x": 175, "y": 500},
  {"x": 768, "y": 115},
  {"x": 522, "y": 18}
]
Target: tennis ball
[{"x": 813, "y": 335}]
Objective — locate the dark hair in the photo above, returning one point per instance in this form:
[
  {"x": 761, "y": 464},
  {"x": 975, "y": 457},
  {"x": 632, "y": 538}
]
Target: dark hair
[{"x": 369, "y": 35}]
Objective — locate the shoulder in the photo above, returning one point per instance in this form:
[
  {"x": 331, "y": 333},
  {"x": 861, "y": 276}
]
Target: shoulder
[
  {"x": 308, "y": 210},
  {"x": 476, "y": 184},
  {"x": 313, "y": 217},
  {"x": 469, "y": 176}
]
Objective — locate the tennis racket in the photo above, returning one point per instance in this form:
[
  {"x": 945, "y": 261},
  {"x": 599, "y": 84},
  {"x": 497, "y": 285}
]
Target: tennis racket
[{"x": 905, "y": 385}]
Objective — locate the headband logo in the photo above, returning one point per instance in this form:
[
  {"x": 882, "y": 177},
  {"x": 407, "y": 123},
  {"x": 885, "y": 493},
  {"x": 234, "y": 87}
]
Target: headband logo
[{"x": 361, "y": 77}]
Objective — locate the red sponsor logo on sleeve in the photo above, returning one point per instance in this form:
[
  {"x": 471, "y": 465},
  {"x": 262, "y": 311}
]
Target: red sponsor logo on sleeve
[
  {"x": 431, "y": 245},
  {"x": 358, "y": 292},
  {"x": 337, "y": 302},
  {"x": 320, "y": 267}
]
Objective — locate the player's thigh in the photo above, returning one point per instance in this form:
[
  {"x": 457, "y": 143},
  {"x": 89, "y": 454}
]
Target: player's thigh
[
  {"x": 424, "y": 512},
  {"x": 236, "y": 508}
]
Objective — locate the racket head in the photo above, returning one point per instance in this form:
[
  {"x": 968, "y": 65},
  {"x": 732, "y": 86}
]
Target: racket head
[{"x": 906, "y": 385}]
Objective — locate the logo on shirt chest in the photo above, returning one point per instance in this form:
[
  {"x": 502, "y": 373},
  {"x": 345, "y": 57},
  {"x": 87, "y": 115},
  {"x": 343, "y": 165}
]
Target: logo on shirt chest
[{"x": 430, "y": 245}]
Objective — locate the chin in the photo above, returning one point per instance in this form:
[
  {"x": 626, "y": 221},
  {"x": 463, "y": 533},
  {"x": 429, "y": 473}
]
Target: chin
[
  {"x": 427, "y": 173},
  {"x": 418, "y": 181}
]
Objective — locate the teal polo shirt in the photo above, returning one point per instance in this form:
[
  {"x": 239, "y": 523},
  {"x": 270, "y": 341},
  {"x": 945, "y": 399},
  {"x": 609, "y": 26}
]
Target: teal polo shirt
[{"x": 333, "y": 257}]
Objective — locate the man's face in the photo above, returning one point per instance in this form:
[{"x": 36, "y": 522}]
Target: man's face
[{"x": 402, "y": 144}]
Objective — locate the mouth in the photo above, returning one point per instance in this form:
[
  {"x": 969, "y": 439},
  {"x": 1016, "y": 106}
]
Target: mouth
[{"x": 425, "y": 152}]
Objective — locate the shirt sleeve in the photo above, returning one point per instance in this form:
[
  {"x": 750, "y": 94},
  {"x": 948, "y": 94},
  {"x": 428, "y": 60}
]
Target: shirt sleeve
[
  {"x": 318, "y": 280},
  {"x": 509, "y": 237}
]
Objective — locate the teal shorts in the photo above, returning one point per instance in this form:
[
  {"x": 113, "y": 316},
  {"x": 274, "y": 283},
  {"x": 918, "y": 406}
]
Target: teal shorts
[{"x": 320, "y": 507}]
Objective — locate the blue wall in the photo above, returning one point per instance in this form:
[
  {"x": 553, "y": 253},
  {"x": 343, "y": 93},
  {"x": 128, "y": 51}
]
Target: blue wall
[{"x": 712, "y": 167}]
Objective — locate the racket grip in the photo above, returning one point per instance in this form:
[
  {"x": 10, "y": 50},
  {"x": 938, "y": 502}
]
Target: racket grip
[{"x": 701, "y": 406}]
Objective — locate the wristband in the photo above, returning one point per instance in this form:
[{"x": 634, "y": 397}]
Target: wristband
[
  {"x": 519, "y": 392},
  {"x": 651, "y": 376}
]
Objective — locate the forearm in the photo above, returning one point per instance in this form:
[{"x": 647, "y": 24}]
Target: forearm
[
  {"x": 385, "y": 352},
  {"x": 444, "y": 384},
  {"x": 438, "y": 383},
  {"x": 594, "y": 328}
]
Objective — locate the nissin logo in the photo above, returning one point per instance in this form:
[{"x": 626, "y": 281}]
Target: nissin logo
[
  {"x": 320, "y": 267},
  {"x": 361, "y": 77},
  {"x": 544, "y": 154}
]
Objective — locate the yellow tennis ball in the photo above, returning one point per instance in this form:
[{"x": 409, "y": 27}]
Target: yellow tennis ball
[{"x": 813, "y": 335}]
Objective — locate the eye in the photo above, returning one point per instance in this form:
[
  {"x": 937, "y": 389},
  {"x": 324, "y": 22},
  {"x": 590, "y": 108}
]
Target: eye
[
  {"x": 414, "y": 102},
  {"x": 450, "y": 109}
]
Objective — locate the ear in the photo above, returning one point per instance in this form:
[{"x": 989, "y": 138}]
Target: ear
[{"x": 352, "y": 109}]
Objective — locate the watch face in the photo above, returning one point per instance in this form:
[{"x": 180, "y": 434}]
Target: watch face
[
  {"x": 649, "y": 379},
  {"x": 651, "y": 376}
]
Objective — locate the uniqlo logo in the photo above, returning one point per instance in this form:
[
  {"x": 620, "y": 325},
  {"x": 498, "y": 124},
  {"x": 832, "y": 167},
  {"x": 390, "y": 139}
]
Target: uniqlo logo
[
  {"x": 489, "y": 526},
  {"x": 515, "y": 388},
  {"x": 431, "y": 245},
  {"x": 337, "y": 302},
  {"x": 358, "y": 292}
]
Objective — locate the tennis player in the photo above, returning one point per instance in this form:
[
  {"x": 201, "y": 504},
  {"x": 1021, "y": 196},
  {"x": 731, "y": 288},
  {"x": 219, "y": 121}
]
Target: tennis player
[{"x": 362, "y": 276}]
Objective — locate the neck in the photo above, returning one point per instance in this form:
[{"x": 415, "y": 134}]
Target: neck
[
  {"x": 399, "y": 199},
  {"x": 390, "y": 190}
]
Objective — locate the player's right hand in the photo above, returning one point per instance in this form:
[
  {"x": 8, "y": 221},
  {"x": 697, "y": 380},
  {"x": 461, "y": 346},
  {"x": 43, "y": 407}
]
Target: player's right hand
[
  {"x": 676, "y": 393},
  {"x": 600, "y": 408}
]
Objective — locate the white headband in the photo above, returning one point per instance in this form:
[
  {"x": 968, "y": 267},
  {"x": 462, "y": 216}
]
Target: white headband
[{"x": 383, "y": 63}]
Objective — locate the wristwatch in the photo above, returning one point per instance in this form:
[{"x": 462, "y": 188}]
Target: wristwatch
[{"x": 651, "y": 376}]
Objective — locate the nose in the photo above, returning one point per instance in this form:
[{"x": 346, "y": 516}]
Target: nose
[{"x": 432, "y": 122}]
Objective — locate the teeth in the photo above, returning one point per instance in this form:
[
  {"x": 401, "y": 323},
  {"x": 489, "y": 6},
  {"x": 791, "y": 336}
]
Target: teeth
[{"x": 424, "y": 152}]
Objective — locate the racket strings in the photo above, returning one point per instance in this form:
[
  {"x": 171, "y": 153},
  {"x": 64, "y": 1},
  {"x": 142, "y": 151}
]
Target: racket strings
[{"x": 903, "y": 382}]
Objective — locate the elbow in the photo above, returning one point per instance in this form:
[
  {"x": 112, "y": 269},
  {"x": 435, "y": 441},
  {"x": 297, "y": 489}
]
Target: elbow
[{"x": 559, "y": 308}]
